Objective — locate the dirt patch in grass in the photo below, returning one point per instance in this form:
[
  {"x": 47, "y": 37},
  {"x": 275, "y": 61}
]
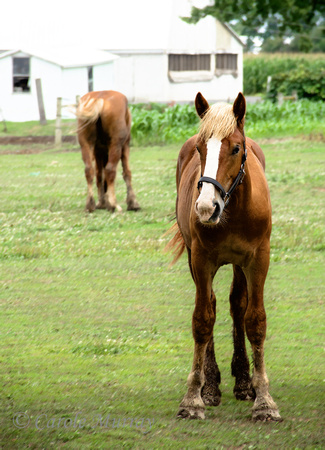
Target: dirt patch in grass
[
  {"x": 23, "y": 140},
  {"x": 33, "y": 144}
]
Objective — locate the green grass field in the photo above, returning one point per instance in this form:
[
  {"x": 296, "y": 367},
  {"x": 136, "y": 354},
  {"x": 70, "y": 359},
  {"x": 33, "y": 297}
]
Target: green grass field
[{"x": 96, "y": 340}]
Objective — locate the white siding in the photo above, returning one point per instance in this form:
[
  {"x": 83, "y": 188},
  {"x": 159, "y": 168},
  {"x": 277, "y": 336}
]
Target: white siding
[{"x": 104, "y": 77}]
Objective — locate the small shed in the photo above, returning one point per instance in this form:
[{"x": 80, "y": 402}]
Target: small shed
[{"x": 64, "y": 72}]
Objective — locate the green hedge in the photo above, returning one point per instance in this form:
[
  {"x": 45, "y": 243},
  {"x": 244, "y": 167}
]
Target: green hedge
[{"x": 302, "y": 73}]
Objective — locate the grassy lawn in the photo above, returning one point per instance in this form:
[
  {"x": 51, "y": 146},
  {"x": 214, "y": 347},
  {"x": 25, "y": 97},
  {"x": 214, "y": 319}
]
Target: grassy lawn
[{"x": 96, "y": 340}]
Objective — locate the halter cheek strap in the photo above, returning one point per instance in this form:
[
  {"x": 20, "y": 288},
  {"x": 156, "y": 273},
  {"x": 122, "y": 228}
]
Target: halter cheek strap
[{"x": 238, "y": 180}]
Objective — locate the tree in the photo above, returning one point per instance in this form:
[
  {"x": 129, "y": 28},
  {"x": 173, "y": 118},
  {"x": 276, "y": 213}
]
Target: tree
[{"x": 268, "y": 18}]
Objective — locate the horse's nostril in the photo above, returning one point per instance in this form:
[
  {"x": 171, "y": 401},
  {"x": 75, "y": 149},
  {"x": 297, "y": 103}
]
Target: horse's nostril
[{"x": 216, "y": 206}]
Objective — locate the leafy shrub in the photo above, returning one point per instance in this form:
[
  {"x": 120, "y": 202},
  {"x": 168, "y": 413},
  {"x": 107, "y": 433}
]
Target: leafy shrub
[
  {"x": 301, "y": 72},
  {"x": 308, "y": 83}
]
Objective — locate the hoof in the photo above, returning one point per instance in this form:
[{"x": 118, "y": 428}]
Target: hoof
[
  {"x": 133, "y": 206},
  {"x": 244, "y": 393},
  {"x": 211, "y": 396},
  {"x": 267, "y": 415},
  {"x": 191, "y": 413},
  {"x": 115, "y": 208},
  {"x": 90, "y": 205},
  {"x": 100, "y": 206},
  {"x": 265, "y": 411}
]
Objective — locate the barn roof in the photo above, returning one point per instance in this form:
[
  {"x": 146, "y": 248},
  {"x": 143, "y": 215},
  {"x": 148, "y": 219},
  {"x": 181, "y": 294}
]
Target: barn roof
[{"x": 67, "y": 57}]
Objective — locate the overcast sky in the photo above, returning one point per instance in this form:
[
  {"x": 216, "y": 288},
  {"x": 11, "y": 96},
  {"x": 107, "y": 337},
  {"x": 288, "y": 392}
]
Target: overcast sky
[{"x": 53, "y": 23}]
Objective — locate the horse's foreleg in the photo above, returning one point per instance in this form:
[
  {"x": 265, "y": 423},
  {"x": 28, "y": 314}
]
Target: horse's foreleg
[
  {"x": 255, "y": 323},
  {"x": 240, "y": 363},
  {"x": 114, "y": 155},
  {"x": 87, "y": 156},
  {"x": 211, "y": 394},
  {"x": 192, "y": 405},
  {"x": 131, "y": 201}
]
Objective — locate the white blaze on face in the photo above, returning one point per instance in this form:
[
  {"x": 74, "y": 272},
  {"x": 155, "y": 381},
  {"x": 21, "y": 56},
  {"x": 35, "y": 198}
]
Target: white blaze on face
[
  {"x": 212, "y": 159},
  {"x": 208, "y": 192}
]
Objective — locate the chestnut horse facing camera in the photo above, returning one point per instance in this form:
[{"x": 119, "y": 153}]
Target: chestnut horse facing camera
[
  {"x": 223, "y": 212},
  {"x": 104, "y": 124}
]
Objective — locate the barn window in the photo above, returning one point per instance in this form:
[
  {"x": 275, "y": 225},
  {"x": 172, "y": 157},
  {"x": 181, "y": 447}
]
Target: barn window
[
  {"x": 226, "y": 63},
  {"x": 90, "y": 79},
  {"x": 188, "y": 62},
  {"x": 21, "y": 74}
]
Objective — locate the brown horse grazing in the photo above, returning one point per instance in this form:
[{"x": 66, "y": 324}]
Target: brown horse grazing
[
  {"x": 224, "y": 217},
  {"x": 104, "y": 123}
]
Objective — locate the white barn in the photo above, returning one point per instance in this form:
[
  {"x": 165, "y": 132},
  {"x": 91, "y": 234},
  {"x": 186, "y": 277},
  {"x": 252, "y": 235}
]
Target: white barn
[
  {"x": 174, "y": 59},
  {"x": 147, "y": 52}
]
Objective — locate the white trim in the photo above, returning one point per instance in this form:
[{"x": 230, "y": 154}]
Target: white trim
[{"x": 190, "y": 75}]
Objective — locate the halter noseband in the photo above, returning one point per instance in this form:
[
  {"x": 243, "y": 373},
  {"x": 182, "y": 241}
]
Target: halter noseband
[{"x": 238, "y": 180}]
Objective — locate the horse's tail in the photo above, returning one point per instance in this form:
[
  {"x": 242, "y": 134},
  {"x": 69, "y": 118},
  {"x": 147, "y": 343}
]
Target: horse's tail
[
  {"x": 90, "y": 109},
  {"x": 176, "y": 244}
]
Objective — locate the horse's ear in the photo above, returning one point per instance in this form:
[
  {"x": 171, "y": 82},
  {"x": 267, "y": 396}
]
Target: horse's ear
[
  {"x": 239, "y": 109},
  {"x": 201, "y": 104}
]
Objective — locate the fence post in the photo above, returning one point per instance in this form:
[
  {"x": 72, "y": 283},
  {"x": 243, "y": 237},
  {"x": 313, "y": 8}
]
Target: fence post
[
  {"x": 58, "y": 130},
  {"x": 280, "y": 98},
  {"x": 42, "y": 118}
]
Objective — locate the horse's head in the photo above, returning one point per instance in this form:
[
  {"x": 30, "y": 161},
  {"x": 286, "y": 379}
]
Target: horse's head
[{"x": 221, "y": 145}]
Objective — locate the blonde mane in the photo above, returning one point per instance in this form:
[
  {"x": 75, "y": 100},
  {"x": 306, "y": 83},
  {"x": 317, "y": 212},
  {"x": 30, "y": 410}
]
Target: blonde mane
[{"x": 219, "y": 121}]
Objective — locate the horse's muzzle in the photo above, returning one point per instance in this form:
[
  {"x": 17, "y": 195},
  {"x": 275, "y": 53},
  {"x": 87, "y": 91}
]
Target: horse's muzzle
[{"x": 208, "y": 213}]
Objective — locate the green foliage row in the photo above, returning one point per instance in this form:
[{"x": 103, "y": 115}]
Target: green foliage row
[
  {"x": 161, "y": 124},
  {"x": 303, "y": 117},
  {"x": 290, "y": 72},
  {"x": 157, "y": 124}
]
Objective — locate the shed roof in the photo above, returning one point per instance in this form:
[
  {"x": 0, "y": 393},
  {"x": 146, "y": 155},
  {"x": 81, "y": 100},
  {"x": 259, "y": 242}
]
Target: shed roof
[{"x": 67, "y": 57}]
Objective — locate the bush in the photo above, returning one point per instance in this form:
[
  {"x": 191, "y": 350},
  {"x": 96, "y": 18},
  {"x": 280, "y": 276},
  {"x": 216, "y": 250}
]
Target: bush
[
  {"x": 308, "y": 83},
  {"x": 300, "y": 72}
]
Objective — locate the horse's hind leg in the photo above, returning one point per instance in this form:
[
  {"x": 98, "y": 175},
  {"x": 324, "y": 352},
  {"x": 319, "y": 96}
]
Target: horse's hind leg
[
  {"x": 100, "y": 181},
  {"x": 240, "y": 364},
  {"x": 114, "y": 155},
  {"x": 87, "y": 156},
  {"x": 133, "y": 205},
  {"x": 255, "y": 323}
]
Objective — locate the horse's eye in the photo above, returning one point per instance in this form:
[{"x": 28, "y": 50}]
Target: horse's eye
[
  {"x": 197, "y": 148},
  {"x": 236, "y": 150}
]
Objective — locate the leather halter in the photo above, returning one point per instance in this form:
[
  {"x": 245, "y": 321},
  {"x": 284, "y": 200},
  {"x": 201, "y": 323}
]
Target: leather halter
[{"x": 238, "y": 180}]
